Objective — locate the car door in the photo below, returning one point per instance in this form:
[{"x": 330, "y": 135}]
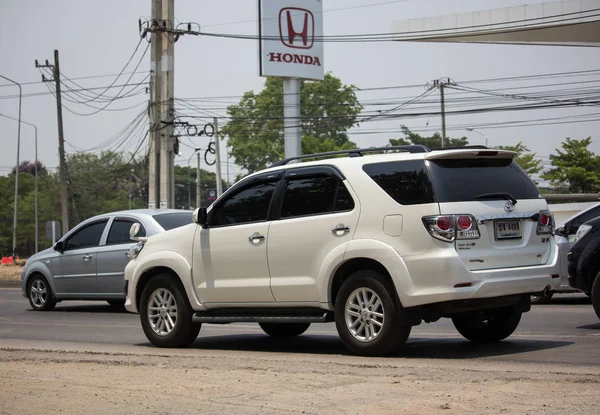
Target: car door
[
  {"x": 566, "y": 239},
  {"x": 76, "y": 265},
  {"x": 112, "y": 255},
  {"x": 317, "y": 215},
  {"x": 230, "y": 256}
]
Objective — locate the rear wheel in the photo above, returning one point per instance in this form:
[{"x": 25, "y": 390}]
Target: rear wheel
[
  {"x": 166, "y": 314},
  {"x": 366, "y": 315},
  {"x": 596, "y": 295},
  {"x": 283, "y": 330},
  {"x": 40, "y": 294},
  {"x": 487, "y": 326}
]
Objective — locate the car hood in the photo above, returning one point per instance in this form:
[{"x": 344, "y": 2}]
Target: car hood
[{"x": 46, "y": 253}]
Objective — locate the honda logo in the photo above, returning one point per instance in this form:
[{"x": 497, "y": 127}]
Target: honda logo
[{"x": 296, "y": 28}]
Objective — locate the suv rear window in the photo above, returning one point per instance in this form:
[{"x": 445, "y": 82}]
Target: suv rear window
[
  {"x": 170, "y": 221},
  {"x": 461, "y": 180},
  {"x": 412, "y": 182}
]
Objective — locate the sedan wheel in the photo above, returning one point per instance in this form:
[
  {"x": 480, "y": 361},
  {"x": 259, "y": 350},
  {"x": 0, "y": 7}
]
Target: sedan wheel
[{"x": 40, "y": 295}]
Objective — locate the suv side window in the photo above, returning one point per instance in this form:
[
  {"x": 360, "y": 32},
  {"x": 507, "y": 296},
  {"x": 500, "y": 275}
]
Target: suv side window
[
  {"x": 250, "y": 204},
  {"x": 315, "y": 195},
  {"x": 86, "y": 237},
  {"x": 119, "y": 232},
  {"x": 407, "y": 182}
]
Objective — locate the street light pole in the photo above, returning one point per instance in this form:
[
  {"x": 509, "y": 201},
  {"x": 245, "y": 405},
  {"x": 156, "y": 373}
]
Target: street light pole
[
  {"x": 481, "y": 134},
  {"x": 36, "y": 178},
  {"x": 14, "y": 250}
]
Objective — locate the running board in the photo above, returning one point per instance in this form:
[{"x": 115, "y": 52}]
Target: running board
[{"x": 248, "y": 317}]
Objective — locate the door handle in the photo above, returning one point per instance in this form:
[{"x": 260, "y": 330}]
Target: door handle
[
  {"x": 340, "y": 229},
  {"x": 87, "y": 257},
  {"x": 256, "y": 238}
]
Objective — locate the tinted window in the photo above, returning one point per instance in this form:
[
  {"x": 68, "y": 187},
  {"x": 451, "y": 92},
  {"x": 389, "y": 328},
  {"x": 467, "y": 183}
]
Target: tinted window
[
  {"x": 315, "y": 195},
  {"x": 87, "y": 237},
  {"x": 407, "y": 182},
  {"x": 119, "y": 232},
  {"x": 458, "y": 180},
  {"x": 170, "y": 221},
  {"x": 248, "y": 205},
  {"x": 589, "y": 215}
]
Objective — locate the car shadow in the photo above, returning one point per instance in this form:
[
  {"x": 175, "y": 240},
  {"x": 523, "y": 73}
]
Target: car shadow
[
  {"x": 576, "y": 299},
  {"x": 590, "y": 326},
  {"x": 330, "y": 344},
  {"x": 88, "y": 308}
]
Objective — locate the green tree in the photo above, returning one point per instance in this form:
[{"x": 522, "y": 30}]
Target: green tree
[
  {"x": 525, "y": 158},
  {"x": 256, "y": 136},
  {"x": 575, "y": 167},
  {"x": 435, "y": 141}
]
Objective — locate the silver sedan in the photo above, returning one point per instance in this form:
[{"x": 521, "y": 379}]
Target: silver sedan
[{"x": 88, "y": 262}]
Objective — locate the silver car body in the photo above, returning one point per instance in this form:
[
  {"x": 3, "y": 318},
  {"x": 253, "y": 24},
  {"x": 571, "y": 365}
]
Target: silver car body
[
  {"x": 565, "y": 238},
  {"x": 96, "y": 272}
]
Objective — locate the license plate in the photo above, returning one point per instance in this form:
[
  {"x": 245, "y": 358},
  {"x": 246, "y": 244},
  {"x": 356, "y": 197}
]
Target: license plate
[{"x": 510, "y": 229}]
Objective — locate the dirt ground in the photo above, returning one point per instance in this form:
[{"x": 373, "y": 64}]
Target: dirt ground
[
  {"x": 226, "y": 382},
  {"x": 10, "y": 272}
]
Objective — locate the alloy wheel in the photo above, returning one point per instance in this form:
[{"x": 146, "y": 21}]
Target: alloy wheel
[
  {"x": 162, "y": 311},
  {"x": 364, "y": 314}
]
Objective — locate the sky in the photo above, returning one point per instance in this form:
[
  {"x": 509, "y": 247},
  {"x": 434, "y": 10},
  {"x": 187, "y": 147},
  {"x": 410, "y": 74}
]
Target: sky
[{"x": 97, "y": 38}]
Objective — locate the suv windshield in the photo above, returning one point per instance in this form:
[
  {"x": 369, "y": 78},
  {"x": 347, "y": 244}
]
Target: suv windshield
[{"x": 173, "y": 220}]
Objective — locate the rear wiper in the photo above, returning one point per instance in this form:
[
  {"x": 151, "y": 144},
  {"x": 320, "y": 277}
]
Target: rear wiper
[{"x": 506, "y": 196}]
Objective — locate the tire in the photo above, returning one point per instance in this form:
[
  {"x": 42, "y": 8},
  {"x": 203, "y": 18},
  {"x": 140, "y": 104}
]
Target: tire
[
  {"x": 369, "y": 332},
  {"x": 165, "y": 292},
  {"x": 542, "y": 299},
  {"x": 39, "y": 293},
  {"x": 284, "y": 330},
  {"x": 487, "y": 326},
  {"x": 116, "y": 303},
  {"x": 596, "y": 295}
]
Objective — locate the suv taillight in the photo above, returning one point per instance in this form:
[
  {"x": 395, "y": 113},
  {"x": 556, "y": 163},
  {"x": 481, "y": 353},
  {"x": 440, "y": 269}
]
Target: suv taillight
[
  {"x": 545, "y": 223},
  {"x": 448, "y": 228}
]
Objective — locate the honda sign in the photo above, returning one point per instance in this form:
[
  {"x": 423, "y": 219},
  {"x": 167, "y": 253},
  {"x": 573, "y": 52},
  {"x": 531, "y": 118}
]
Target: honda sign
[{"x": 291, "y": 38}]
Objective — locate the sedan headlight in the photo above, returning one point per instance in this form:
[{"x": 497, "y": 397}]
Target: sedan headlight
[
  {"x": 135, "y": 250},
  {"x": 582, "y": 231}
]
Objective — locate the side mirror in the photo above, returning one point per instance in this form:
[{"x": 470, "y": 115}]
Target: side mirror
[
  {"x": 201, "y": 217},
  {"x": 59, "y": 247},
  {"x": 134, "y": 230}
]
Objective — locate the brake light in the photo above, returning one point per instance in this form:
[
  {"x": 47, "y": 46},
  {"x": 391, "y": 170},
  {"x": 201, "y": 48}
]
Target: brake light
[
  {"x": 448, "y": 228},
  {"x": 545, "y": 223}
]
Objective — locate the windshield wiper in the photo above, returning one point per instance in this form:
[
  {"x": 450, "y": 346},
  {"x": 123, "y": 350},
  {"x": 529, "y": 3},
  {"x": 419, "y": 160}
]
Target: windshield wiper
[{"x": 506, "y": 196}]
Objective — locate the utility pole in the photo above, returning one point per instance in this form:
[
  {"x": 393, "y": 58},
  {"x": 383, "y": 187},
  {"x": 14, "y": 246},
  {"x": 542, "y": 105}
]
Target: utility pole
[
  {"x": 155, "y": 107},
  {"x": 167, "y": 154},
  {"x": 441, "y": 84},
  {"x": 218, "y": 157},
  {"x": 64, "y": 185}
]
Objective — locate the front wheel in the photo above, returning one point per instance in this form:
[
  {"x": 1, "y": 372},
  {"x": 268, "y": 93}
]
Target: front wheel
[
  {"x": 366, "y": 315},
  {"x": 595, "y": 294},
  {"x": 283, "y": 330},
  {"x": 166, "y": 314},
  {"x": 40, "y": 294},
  {"x": 487, "y": 326}
]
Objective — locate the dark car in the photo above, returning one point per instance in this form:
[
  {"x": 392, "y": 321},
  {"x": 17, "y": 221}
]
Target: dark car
[{"x": 584, "y": 262}]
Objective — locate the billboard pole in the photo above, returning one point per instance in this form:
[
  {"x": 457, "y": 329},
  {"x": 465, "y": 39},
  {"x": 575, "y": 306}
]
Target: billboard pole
[{"x": 291, "y": 117}]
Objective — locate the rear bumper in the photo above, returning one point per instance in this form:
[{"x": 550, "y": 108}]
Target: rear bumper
[{"x": 440, "y": 276}]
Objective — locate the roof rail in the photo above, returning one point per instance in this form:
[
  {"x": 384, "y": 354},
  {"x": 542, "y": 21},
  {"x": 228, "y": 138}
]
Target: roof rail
[{"x": 355, "y": 152}]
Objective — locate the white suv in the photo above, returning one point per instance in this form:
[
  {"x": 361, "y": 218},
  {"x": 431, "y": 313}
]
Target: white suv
[{"x": 376, "y": 243}]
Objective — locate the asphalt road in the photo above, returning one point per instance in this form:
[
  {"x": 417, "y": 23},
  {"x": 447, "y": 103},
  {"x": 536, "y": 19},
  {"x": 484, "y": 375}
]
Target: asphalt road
[{"x": 565, "y": 332}]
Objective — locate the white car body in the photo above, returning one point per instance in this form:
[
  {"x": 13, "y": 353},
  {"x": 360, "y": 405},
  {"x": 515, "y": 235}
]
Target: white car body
[{"x": 292, "y": 262}]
